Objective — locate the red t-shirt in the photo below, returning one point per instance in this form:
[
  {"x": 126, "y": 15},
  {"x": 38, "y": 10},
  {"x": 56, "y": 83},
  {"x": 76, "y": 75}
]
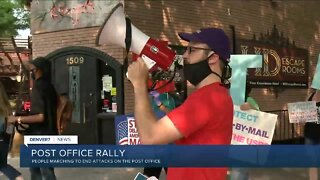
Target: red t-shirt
[{"x": 204, "y": 118}]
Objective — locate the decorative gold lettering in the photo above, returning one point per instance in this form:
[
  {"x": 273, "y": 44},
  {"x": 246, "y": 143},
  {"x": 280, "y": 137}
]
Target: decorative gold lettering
[
  {"x": 244, "y": 49},
  {"x": 75, "y": 60},
  {"x": 257, "y": 50},
  {"x": 276, "y": 70},
  {"x": 265, "y": 65},
  {"x": 291, "y": 65}
]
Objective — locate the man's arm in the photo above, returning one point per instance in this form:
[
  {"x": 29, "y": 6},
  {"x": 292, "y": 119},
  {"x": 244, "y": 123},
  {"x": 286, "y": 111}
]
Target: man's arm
[
  {"x": 151, "y": 130},
  {"x": 37, "y": 118},
  {"x": 247, "y": 106},
  {"x": 37, "y": 109},
  {"x": 250, "y": 104}
]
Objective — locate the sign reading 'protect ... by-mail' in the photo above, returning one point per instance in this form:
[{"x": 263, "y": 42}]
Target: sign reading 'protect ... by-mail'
[{"x": 252, "y": 127}]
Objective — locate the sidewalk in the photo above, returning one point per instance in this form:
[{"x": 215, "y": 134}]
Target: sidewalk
[{"x": 129, "y": 173}]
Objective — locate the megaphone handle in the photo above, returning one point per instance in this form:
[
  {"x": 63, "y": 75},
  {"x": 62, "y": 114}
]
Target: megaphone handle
[
  {"x": 128, "y": 44},
  {"x": 128, "y": 34}
]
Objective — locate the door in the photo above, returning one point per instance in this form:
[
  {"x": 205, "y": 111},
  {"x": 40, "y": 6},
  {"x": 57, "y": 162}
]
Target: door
[
  {"x": 90, "y": 78},
  {"x": 76, "y": 76}
]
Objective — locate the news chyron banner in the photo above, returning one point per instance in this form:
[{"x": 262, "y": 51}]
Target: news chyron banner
[
  {"x": 109, "y": 156},
  {"x": 64, "y": 151},
  {"x": 50, "y": 139}
]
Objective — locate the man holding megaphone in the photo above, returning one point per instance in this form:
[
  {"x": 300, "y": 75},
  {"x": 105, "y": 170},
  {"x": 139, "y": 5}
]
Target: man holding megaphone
[{"x": 206, "y": 115}]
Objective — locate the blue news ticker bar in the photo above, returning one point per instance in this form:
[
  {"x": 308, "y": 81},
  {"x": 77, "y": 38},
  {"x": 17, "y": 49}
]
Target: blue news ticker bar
[{"x": 169, "y": 156}]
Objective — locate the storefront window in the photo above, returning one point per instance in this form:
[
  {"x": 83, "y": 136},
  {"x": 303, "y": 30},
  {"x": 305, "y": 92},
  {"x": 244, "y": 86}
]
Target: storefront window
[{"x": 108, "y": 88}]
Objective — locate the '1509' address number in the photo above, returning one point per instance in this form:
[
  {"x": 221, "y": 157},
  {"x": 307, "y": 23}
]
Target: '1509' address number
[{"x": 75, "y": 60}]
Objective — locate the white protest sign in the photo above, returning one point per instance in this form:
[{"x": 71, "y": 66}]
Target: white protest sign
[
  {"x": 50, "y": 139},
  {"x": 133, "y": 136},
  {"x": 252, "y": 127},
  {"x": 301, "y": 112}
]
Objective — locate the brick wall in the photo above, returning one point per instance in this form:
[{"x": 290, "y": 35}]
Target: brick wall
[{"x": 299, "y": 20}]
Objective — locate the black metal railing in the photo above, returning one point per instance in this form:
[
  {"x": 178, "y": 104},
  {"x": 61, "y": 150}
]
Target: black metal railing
[{"x": 286, "y": 132}]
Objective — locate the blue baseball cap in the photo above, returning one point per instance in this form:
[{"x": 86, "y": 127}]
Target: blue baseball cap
[{"x": 215, "y": 38}]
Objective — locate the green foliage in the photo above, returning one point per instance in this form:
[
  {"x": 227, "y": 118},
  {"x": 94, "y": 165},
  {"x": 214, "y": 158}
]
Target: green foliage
[{"x": 13, "y": 17}]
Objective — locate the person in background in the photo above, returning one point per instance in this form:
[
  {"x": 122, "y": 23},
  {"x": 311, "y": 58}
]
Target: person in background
[
  {"x": 312, "y": 131},
  {"x": 165, "y": 103},
  {"x": 207, "y": 112},
  {"x": 250, "y": 103},
  {"x": 5, "y": 110},
  {"x": 161, "y": 102},
  {"x": 42, "y": 118}
]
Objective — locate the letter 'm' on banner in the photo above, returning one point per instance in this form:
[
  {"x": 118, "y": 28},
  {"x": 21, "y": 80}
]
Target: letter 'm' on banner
[
  {"x": 239, "y": 65},
  {"x": 316, "y": 78}
]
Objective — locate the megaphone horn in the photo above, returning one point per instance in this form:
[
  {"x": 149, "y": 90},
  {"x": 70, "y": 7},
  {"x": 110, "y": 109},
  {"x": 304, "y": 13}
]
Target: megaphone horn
[{"x": 153, "y": 52}]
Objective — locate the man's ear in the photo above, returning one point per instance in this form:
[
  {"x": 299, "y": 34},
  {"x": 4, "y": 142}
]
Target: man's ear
[{"x": 214, "y": 58}]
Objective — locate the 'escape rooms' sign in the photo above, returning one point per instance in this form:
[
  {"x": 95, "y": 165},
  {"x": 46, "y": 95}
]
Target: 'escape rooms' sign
[{"x": 283, "y": 64}]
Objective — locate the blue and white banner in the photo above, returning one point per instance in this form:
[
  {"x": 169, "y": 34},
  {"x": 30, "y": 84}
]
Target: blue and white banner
[
  {"x": 126, "y": 131},
  {"x": 169, "y": 156}
]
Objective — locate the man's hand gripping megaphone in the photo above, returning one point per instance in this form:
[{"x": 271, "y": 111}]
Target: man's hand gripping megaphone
[{"x": 138, "y": 73}]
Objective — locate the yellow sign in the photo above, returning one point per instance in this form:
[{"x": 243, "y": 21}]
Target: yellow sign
[{"x": 113, "y": 91}]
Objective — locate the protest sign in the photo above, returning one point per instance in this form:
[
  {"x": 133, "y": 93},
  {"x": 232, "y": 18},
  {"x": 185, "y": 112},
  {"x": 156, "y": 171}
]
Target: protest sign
[
  {"x": 239, "y": 65},
  {"x": 301, "y": 112},
  {"x": 126, "y": 130},
  {"x": 252, "y": 127}
]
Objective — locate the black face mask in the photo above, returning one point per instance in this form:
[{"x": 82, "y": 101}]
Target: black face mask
[
  {"x": 33, "y": 76},
  {"x": 196, "y": 72}
]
